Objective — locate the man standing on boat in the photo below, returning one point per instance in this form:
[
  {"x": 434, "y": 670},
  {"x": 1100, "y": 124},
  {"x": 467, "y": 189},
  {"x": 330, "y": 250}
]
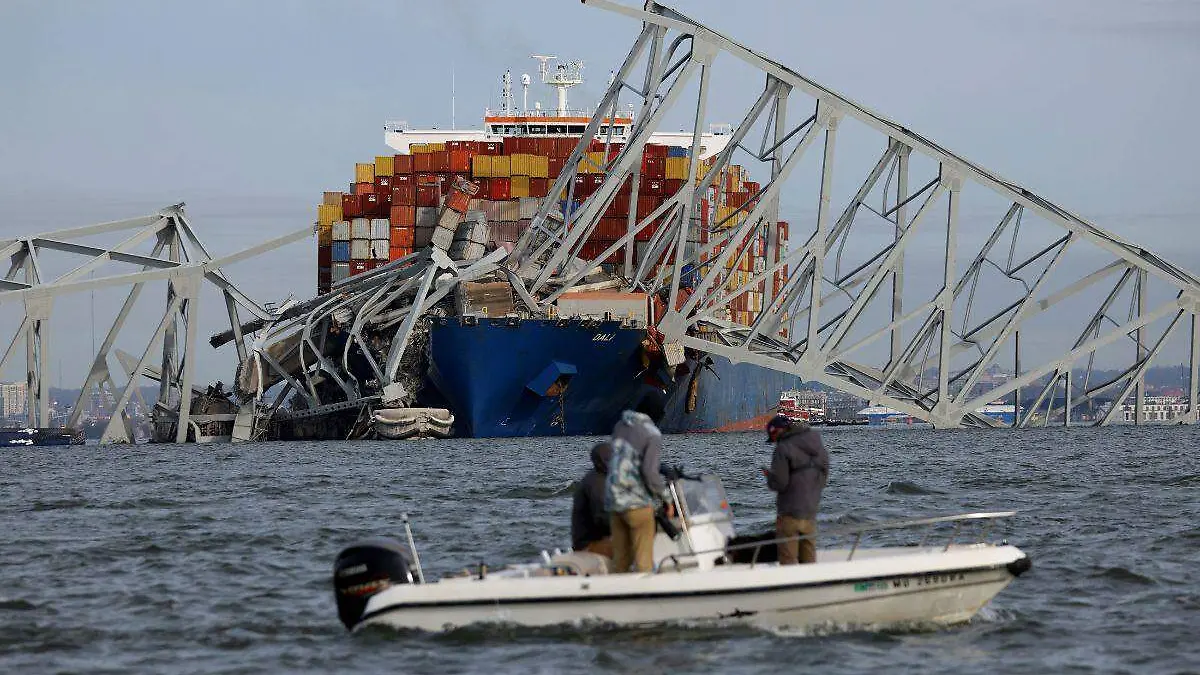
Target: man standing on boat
[
  {"x": 798, "y": 473},
  {"x": 634, "y": 483},
  {"x": 590, "y": 529}
]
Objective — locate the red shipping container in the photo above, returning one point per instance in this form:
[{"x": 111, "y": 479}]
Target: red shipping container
[
  {"x": 398, "y": 252},
  {"x": 655, "y": 150},
  {"x": 404, "y": 195},
  {"x": 512, "y": 144},
  {"x": 540, "y": 187},
  {"x": 423, "y": 162},
  {"x": 427, "y": 195},
  {"x": 751, "y": 187},
  {"x": 647, "y": 233},
  {"x": 499, "y": 189},
  {"x": 564, "y": 146},
  {"x": 555, "y": 166},
  {"x": 737, "y": 199},
  {"x": 618, "y": 207},
  {"x": 646, "y": 205},
  {"x": 384, "y": 182},
  {"x": 403, "y": 164},
  {"x": 401, "y": 236},
  {"x": 612, "y": 228},
  {"x": 428, "y": 180},
  {"x": 655, "y": 186},
  {"x": 458, "y": 200},
  {"x": 402, "y": 179},
  {"x": 460, "y": 161},
  {"x": 654, "y": 167},
  {"x": 324, "y": 256},
  {"x": 358, "y": 267},
  {"x": 362, "y": 188},
  {"x": 455, "y": 145},
  {"x": 674, "y": 185},
  {"x": 351, "y": 206},
  {"x": 491, "y": 148},
  {"x": 372, "y": 264},
  {"x": 583, "y": 187},
  {"x": 372, "y": 205},
  {"x": 403, "y": 216},
  {"x": 545, "y": 146},
  {"x": 527, "y": 145},
  {"x": 441, "y": 161}
]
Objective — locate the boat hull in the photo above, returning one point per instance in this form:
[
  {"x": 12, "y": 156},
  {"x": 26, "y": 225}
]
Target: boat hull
[
  {"x": 903, "y": 589},
  {"x": 494, "y": 374}
]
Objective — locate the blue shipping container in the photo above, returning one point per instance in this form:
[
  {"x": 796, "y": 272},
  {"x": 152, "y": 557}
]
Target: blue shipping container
[
  {"x": 341, "y": 251},
  {"x": 676, "y": 151}
]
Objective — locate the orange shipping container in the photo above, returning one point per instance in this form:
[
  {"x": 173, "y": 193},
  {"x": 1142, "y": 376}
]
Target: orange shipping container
[
  {"x": 423, "y": 162},
  {"x": 460, "y": 161},
  {"x": 402, "y": 236},
  {"x": 332, "y": 198},
  {"x": 402, "y": 164},
  {"x": 403, "y": 216},
  {"x": 398, "y": 252}
]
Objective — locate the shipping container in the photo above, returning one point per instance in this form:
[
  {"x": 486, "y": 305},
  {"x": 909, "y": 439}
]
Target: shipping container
[
  {"x": 384, "y": 166},
  {"x": 404, "y": 194},
  {"x": 427, "y": 196},
  {"x": 327, "y": 214},
  {"x": 332, "y": 199},
  {"x": 518, "y": 186},
  {"x": 427, "y": 216},
  {"x": 460, "y": 161},
  {"x": 339, "y": 251},
  {"x": 364, "y": 173},
  {"x": 676, "y": 151},
  {"x": 402, "y": 216},
  {"x": 340, "y": 231},
  {"x": 379, "y": 248},
  {"x": 379, "y": 228},
  {"x": 499, "y": 188},
  {"x": 423, "y": 162},
  {"x": 374, "y": 205},
  {"x": 539, "y": 187},
  {"x": 339, "y": 271},
  {"x": 359, "y": 266},
  {"x": 401, "y": 236},
  {"x": 528, "y": 206},
  {"x": 422, "y": 235},
  {"x": 402, "y": 164},
  {"x": 360, "y": 228},
  {"x": 362, "y": 188},
  {"x": 324, "y": 255},
  {"x": 676, "y": 168},
  {"x": 360, "y": 249},
  {"x": 398, "y": 252},
  {"x": 324, "y": 234}
]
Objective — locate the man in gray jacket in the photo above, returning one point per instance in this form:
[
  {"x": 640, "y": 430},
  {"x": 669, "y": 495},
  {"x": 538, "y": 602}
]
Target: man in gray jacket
[
  {"x": 798, "y": 473},
  {"x": 633, "y": 484}
]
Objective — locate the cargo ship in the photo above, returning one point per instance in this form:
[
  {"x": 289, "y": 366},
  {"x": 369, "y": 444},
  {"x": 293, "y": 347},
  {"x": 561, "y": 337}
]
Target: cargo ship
[{"x": 499, "y": 371}]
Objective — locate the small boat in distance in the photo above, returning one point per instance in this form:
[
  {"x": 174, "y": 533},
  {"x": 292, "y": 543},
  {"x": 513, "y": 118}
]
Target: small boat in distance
[
  {"x": 40, "y": 436},
  {"x": 703, "y": 572}
]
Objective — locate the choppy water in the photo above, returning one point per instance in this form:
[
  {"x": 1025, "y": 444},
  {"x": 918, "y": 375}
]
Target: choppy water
[{"x": 217, "y": 559}]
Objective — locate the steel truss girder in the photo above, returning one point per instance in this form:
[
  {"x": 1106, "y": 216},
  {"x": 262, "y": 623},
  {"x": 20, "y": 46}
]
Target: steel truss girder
[
  {"x": 830, "y": 334},
  {"x": 178, "y": 257}
]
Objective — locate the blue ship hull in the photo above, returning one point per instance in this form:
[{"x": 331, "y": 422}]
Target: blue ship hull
[{"x": 533, "y": 377}]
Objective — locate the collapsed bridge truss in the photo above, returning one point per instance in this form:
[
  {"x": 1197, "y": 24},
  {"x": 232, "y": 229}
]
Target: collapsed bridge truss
[{"x": 839, "y": 309}]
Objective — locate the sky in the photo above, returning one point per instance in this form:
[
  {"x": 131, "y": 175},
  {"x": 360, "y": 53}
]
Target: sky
[{"x": 247, "y": 111}]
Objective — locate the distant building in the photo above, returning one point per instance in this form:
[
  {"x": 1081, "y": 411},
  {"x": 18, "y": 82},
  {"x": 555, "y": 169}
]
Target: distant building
[
  {"x": 13, "y": 395},
  {"x": 1156, "y": 409}
]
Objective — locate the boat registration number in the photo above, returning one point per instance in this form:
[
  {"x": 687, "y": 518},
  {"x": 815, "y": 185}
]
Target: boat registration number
[{"x": 909, "y": 582}]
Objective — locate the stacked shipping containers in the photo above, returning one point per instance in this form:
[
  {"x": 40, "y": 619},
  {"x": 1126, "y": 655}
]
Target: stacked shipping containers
[{"x": 394, "y": 204}]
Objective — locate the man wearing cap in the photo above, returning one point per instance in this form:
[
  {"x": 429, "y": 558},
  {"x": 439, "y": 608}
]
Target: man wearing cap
[{"x": 798, "y": 473}]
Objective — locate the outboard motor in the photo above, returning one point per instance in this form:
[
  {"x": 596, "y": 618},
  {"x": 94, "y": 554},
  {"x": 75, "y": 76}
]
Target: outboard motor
[{"x": 364, "y": 570}]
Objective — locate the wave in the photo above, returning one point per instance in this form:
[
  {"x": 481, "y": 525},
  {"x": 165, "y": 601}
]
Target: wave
[
  {"x": 903, "y": 487},
  {"x": 17, "y": 604},
  {"x": 1125, "y": 575},
  {"x": 538, "y": 492}
]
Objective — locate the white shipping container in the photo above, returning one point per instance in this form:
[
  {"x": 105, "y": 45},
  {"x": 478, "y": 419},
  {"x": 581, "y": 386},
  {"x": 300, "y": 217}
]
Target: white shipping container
[
  {"x": 442, "y": 238},
  {"x": 492, "y": 211},
  {"x": 379, "y": 248},
  {"x": 380, "y": 228},
  {"x": 510, "y": 210},
  {"x": 598, "y": 303},
  {"x": 529, "y": 206},
  {"x": 450, "y": 219},
  {"x": 360, "y": 249},
  {"x": 341, "y": 230},
  {"x": 360, "y": 228},
  {"x": 339, "y": 271},
  {"x": 427, "y": 216}
]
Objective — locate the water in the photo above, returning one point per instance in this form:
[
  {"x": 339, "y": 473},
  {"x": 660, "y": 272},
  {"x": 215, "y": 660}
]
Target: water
[{"x": 217, "y": 559}]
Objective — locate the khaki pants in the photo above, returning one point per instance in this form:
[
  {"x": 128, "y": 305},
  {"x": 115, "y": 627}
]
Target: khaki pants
[
  {"x": 602, "y": 547},
  {"x": 801, "y": 551},
  {"x": 633, "y": 540}
]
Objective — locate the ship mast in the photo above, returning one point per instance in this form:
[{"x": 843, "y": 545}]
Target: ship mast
[{"x": 566, "y": 75}]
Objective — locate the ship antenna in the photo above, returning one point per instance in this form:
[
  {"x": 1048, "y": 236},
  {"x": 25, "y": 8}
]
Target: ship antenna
[
  {"x": 525, "y": 92},
  {"x": 506, "y": 93},
  {"x": 452, "y": 124}
]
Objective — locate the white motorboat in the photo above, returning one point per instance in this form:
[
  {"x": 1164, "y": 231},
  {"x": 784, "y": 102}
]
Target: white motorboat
[
  {"x": 404, "y": 423},
  {"x": 703, "y": 573}
]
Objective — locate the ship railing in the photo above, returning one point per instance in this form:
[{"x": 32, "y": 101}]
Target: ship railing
[
  {"x": 623, "y": 115},
  {"x": 984, "y": 520},
  {"x": 397, "y": 126}
]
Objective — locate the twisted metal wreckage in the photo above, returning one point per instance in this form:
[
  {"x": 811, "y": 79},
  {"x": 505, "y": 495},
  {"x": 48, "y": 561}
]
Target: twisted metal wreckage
[{"x": 855, "y": 324}]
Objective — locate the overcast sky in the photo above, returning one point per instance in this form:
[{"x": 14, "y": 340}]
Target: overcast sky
[{"x": 247, "y": 111}]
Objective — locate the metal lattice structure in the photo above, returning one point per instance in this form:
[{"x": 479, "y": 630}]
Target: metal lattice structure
[
  {"x": 839, "y": 309},
  {"x": 178, "y": 257}
]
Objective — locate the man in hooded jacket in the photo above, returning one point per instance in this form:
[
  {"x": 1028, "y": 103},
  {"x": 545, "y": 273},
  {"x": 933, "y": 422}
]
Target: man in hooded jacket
[
  {"x": 799, "y": 471},
  {"x": 589, "y": 520},
  {"x": 633, "y": 485}
]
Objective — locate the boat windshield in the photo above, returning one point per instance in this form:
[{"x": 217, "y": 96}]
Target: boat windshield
[{"x": 705, "y": 499}]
